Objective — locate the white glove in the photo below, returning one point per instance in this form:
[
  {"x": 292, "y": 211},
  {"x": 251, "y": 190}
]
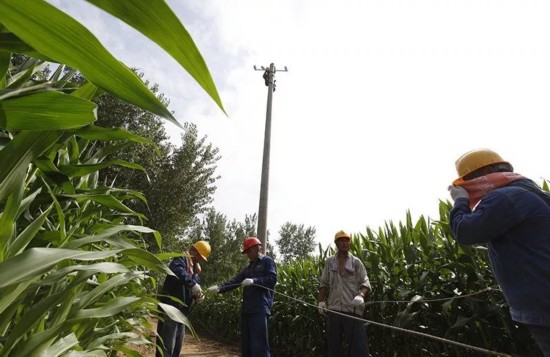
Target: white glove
[
  {"x": 322, "y": 307},
  {"x": 247, "y": 282},
  {"x": 196, "y": 290},
  {"x": 200, "y": 298},
  {"x": 358, "y": 301},
  {"x": 214, "y": 289},
  {"x": 458, "y": 192}
]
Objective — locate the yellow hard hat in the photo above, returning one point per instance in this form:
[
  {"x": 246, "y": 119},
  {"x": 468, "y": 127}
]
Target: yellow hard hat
[
  {"x": 341, "y": 234},
  {"x": 203, "y": 248},
  {"x": 476, "y": 159}
]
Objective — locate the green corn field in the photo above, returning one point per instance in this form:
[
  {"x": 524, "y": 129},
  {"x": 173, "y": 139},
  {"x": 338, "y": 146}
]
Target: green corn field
[{"x": 407, "y": 264}]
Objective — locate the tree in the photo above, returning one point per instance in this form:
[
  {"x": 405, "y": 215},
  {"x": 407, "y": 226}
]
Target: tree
[
  {"x": 295, "y": 241},
  {"x": 180, "y": 181},
  {"x": 186, "y": 185},
  {"x": 225, "y": 238}
]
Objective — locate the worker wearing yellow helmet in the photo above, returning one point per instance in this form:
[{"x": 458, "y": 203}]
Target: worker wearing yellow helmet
[
  {"x": 344, "y": 286},
  {"x": 184, "y": 285},
  {"x": 511, "y": 214}
]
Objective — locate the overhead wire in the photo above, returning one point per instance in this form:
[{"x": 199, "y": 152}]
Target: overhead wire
[{"x": 422, "y": 334}]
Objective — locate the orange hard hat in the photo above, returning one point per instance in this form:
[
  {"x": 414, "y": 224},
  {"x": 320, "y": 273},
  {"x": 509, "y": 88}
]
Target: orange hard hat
[
  {"x": 474, "y": 160},
  {"x": 249, "y": 243}
]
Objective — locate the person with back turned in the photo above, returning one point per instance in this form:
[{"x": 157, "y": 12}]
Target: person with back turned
[{"x": 511, "y": 214}]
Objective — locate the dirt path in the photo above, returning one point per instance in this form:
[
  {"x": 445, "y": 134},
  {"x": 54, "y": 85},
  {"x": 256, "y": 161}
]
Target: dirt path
[
  {"x": 192, "y": 346},
  {"x": 207, "y": 347}
]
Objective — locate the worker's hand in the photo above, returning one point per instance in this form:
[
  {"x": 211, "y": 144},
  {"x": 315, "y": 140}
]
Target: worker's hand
[
  {"x": 458, "y": 192},
  {"x": 214, "y": 289},
  {"x": 358, "y": 301},
  {"x": 247, "y": 282},
  {"x": 322, "y": 308},
  {"x": 196, "y": 290},
  {"x": 200, "y": 298}
]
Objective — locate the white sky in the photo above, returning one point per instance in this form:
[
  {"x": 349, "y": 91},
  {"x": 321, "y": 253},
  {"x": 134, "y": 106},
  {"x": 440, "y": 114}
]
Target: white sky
[{"x": 380, "y": 99}]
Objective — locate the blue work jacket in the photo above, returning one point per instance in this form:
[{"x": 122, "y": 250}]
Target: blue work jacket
[
  {"x": 179, "y": 286},
  {"x": 255, "y": 298},
  {"x": 514, "y": 222}
]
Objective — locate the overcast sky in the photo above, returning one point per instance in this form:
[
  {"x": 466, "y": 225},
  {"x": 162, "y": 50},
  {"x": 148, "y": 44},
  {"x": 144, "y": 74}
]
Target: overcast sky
[{"x": 380, "y": 99}]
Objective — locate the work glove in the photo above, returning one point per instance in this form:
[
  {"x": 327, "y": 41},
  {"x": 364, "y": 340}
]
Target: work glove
[
  {"x": 458, "y": 192},
  {"x": 214, "y": 289},
  {"x": 200, "y": 298},
  {"x": 322, "y": 308},
  {"x": 358, "y": 301},
  {"x": 196, "y": 290},
  {"x": 247, "y": 282}
]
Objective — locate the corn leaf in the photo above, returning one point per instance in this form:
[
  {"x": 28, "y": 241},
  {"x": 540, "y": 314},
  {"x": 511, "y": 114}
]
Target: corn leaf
[
  {"x": 49, "y": 110},
  {"x": 31, "y": 318},
  {"x": 5, "y": 57},
  {"x": 155, "y": 19},
  {"x": 11, "y": 43},
  {"x": 88, "y": 270},
  {"x": 88, "y": 91},
  {"x": 8, "y": 296},
  {"x": 90, "y": 297},
  {"x": 8, "y": 218},
  {"x": 35, "y": 261},
  {"x": 62, "y": 345},
  {"x": 25, "y": 237},
  {"x": 93, "y": 132},
  {"x": 58, "y": 36},
  {"x": 114, "y": 307},
  {"x": 86, "y": 169},
  {"x": 106, "y": 233},
  {"x": 19, "y": 153}
]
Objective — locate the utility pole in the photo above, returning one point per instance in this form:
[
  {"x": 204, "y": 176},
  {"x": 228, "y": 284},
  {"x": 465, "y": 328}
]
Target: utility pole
[{"x": 269, "y": 78}]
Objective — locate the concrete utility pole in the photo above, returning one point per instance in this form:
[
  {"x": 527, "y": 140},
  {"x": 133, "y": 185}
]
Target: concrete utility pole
[{"x": 269, "y": 78}]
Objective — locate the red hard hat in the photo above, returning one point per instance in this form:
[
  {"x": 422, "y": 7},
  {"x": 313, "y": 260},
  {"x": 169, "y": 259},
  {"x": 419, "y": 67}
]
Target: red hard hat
[{"x": 249, "y": 243}]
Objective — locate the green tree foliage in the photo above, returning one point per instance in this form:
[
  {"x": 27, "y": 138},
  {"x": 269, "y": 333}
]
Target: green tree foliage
[
  {"x": 113, "y": 112},
  {"x": 225, "y": 238},
  {"x": 295, "y": 241},
  {"x": 180, "y": 180}
]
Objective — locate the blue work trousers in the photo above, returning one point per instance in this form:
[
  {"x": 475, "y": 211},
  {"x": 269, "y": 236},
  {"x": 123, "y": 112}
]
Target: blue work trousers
[
  {"x": 170, "y": 337},
  {"x": 541, "y": 334},
  {"x": 343, "y": 328},
  {"x": 254, "y": 335}
]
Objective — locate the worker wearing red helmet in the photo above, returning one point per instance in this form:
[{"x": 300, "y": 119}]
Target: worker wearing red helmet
[
  {"x": 511, "y": 214},
  {"x": 258, "y": 278}
]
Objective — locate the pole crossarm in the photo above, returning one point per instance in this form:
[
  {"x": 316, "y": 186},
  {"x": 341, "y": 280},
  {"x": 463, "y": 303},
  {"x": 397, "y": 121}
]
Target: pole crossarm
[{"x": 269, "y": 74}]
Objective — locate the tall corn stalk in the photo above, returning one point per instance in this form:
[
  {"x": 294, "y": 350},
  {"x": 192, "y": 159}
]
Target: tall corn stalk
[
  {"x": 408, "y": 264},
  {"x": 71, "y": 269}
]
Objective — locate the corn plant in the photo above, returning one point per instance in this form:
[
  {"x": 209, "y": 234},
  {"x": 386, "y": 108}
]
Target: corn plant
[
  {"x": 71, "y": 269},
  {"x": 408, "y": 264}
]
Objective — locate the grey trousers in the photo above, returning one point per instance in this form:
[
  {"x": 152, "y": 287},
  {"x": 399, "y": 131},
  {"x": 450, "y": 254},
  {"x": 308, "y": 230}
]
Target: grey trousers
[{"x": 343, "y": 330}]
